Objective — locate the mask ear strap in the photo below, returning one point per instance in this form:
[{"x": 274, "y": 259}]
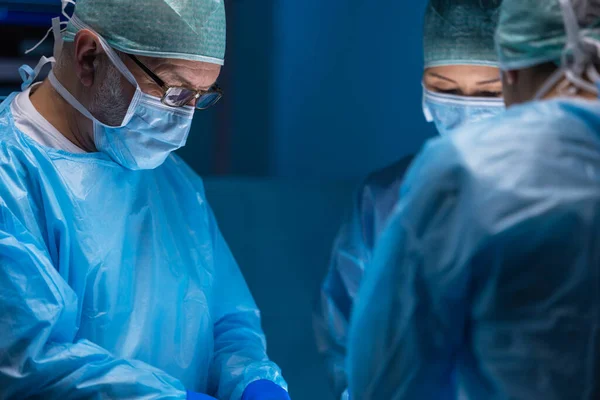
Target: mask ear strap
[
  {"x": 426, "y": 110},
  {"x": 110, "y": 53},
  {"x": 64, "y": 5},
  {"x": 65, "y": 94},
  {"x": 57, "y": 29},
  {"x": 574, "y": 45},
  {"x": 58, "y": 40},
  {"x": 29, "y": 75},
  {"x": 550, "y": 83},
  {"x": 38, "y": 44},
  {"x": 593, "y": 73},
  {"x": 576, "y": 58},
  {"x": 581, "y": 83}
]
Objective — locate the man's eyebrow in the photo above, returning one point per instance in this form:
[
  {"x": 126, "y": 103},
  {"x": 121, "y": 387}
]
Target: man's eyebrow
[{"x": 170, "y": 77}]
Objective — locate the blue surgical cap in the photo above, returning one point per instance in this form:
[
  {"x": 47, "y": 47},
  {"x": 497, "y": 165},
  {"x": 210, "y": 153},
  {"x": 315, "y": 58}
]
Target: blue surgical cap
[
  {"x": 183, "y": 29},
  {"x": 460, "y": 32},
  {"x": 532, "y": 32}
]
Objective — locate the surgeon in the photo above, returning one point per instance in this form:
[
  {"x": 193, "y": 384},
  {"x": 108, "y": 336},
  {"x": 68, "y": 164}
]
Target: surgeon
[
  {"x": 485, "y": 285},
  {"x": 115, "y": 281},
  {"x": 461, "y": 84}
]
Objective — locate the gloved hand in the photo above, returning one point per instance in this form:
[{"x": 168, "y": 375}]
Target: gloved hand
[
  {"x": 198, "y": 396},
  {"x": 265, "y": 390}
]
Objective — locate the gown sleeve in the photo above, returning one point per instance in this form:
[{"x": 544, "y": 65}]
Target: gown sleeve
[{"x": 39, "y": 356}]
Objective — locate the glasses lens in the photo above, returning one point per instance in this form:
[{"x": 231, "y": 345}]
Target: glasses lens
[
  {"x": 208, "y": 100},
  {"x": 178, "y": 97}
]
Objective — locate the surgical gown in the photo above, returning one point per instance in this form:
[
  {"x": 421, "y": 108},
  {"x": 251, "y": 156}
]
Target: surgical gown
[
  {"x": 115, "y": 283},
  {"x": 353, "y": 247},
  {"x": 487, "y": 280}
]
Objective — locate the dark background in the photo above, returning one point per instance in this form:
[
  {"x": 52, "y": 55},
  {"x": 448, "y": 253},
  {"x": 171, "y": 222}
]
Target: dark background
[{"x": 318, "y": 94}]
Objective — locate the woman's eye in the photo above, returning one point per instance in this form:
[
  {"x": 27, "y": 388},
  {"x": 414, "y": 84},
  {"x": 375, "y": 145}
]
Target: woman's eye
[
  {"x": 489, "y": 94},
  {"x": 449, "y": 91}
]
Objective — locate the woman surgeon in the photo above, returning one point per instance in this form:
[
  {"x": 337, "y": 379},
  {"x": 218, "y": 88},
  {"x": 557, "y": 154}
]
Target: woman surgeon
[{"x": 461, "y": 85}]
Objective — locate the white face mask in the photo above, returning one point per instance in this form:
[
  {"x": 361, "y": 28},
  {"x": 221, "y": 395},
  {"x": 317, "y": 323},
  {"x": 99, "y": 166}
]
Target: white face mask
[
  {"x": 451, "y": 112},
  {"x": 150, "y": 130}
]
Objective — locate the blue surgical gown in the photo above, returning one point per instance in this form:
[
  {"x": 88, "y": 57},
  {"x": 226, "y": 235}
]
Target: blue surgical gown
[
  {"x": 115, "y": 283},
  {"x": 486, "y": 282},
  {"x": 352, "y": 251}
]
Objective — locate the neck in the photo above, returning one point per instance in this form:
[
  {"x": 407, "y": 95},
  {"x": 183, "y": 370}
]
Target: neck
[{"x": 67, "y": 120}]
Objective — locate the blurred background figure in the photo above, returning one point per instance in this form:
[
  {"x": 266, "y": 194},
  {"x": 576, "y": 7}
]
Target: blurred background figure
[
  {"x": 485, "y": 283},
  {"x": 317, "y": 95},
  {"x": 461, "y": 85}
]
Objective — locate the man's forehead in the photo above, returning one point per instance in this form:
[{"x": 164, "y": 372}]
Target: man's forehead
[
  {"x": 193, "y": 74},
  {"x": 158, "y": 62}
]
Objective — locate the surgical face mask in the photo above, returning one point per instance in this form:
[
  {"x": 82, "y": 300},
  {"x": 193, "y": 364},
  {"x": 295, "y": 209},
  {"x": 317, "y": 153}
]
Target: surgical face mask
[
  {"x": 150, "y": 130},
  {"x": 450, "y": 112}
]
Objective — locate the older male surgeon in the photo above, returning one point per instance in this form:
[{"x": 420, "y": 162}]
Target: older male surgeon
[
  {"x": 487, "y": 280},
  {"x": 115, "y": 282}
]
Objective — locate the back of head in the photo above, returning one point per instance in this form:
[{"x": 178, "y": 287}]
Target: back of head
[
  {"x": 460, "y": 32},
  {"x": 533, "y": 32},
  {"x": 182, "y": 29}
]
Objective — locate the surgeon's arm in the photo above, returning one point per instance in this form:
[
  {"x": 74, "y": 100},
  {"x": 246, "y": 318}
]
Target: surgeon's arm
[
  {"x": 39, "y": 354},
  {"x": 240, "y": 348},
  {"x": 332, "y": 311},
  {"x": 409, "y": 321}
]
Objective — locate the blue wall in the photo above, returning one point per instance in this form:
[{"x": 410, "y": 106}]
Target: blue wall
[
  {"x": 315, "y": 90},
  {"x": 347, "y": 94},
  {"x": 280, "y": 233},
  {"x": 234, "y": 137}
]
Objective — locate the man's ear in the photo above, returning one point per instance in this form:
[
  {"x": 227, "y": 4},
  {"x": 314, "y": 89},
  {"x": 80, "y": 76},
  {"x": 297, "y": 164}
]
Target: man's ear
[
  {"x": 87, "y": 51},
  {"x": 510, "y": 77},
  {"x": 510, "y": 89}
]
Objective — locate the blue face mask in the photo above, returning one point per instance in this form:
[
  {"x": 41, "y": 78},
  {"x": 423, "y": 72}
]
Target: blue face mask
[
  {"x": 450, "y": 112},
  {"x": 149, "y": 132}
]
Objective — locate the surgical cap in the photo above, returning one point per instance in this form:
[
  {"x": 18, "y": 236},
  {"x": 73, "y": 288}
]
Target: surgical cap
[
  {"x": 460, "y": 32},
  {"x": 183, "y": 29},
  {"x": 532, "y": 32}
]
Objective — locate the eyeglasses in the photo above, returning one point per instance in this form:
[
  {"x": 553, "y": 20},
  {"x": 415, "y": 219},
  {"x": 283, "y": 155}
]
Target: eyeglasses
[{"x": 179, "y": 96}]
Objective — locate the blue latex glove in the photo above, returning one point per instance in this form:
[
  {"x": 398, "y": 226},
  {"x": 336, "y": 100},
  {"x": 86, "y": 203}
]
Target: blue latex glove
[
  {"x": 198, "y": 396},
  {"x": 265, "y": 390}
]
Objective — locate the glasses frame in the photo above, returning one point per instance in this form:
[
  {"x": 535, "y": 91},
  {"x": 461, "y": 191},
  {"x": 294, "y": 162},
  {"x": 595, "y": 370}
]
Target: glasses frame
[{"x": 215, "y": 89}]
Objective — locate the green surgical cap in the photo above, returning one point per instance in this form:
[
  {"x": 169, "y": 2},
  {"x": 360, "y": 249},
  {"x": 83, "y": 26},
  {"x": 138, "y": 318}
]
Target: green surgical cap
[
  {"x": 532, "y": 32},
  {"x": 460, "y": 32},
  {"x": 183, "y": 29}
]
